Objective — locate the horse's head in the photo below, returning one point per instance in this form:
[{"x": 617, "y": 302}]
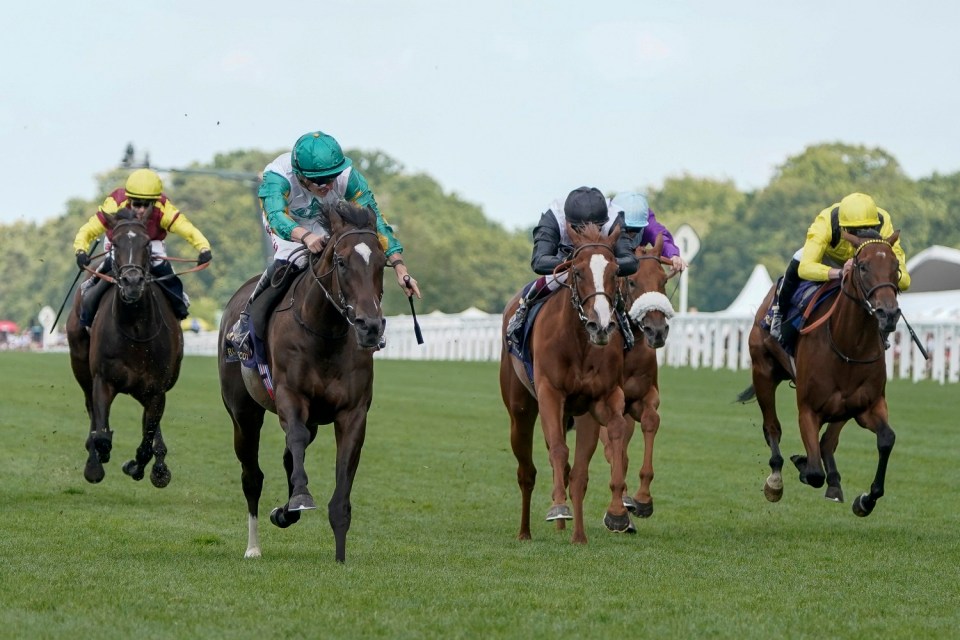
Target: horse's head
[
  {"x": 355, "y": 260},
  {"x": 131, "y": 253},
  {"x": 875, "y": 276},
  {"x": 648, "y": 306},
  {"x": 593, "y": 280}
]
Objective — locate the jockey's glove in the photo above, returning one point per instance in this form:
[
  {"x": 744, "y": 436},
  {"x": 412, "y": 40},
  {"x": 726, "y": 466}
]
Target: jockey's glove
[
  {"x": 204, "y": 257},
  {"x": 82, "y": 259}
]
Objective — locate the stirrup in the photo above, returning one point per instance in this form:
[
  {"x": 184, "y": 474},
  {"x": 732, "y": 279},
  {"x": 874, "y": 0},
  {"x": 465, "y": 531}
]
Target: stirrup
[
  {"x": 776, "y": 325},
  {"x": 516, "y": 323},
  {"x": 239, "y": 338}
]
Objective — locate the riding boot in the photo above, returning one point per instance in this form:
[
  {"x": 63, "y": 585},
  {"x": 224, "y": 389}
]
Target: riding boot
[
  {"x": 788, "y": 286},
  {"x": 515, "y": 326},
  {"x": 90, "y": 300},
  {"x": 173, "y": 287},
  {"x": 239, "y": 334}
]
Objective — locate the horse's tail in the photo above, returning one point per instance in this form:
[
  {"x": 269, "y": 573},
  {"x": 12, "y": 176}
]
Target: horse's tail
[{"x": 747, "y": 395}]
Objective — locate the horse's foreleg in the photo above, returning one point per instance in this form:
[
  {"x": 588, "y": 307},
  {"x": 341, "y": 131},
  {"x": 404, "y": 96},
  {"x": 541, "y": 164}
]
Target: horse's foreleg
[
  {"x": 100, "y": 440},
  {"x": 350, "y": 429},
  {"x": 610, "y": 413},
  {"x": 876, "y": 421},
  {"x": 588, "y": 432},
  {"x": 811, "y": 465},
  {"x": 649, "y": 426},
  {"x": 828, "y": 449},
  {"x": 153, "y": 407},
  {"x": 551, "y": 420},
  {"x": 293, "y": 412},
  {"x": 628, "y": 502}
]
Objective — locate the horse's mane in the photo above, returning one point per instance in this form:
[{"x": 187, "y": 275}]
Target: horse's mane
[
  {"x": 589, "y": 232},
  {"x": 127, "y": 214},
  {"x": 352, "y": 214},
  {"x": 867, "y": 233}
]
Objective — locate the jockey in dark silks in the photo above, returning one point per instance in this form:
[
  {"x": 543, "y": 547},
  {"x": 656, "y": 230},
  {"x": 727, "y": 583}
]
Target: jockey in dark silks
[
  {"x": 143, "y": 193},
  {"x": 551, "y": 246},
  {"x": 827, "y": 256}
]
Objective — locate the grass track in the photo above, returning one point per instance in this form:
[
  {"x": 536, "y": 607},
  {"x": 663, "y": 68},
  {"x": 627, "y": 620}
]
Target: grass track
[{"x": 432, "y": 550}]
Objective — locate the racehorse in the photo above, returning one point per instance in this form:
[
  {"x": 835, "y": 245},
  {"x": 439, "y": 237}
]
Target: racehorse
[
  {"x": 577, "y": 355},
  {"x": 649, "y": 312},
  {"x": 134, "y": 346},
  {"x": 840, "y": 372},
  {"x": 319, "y": 346}
]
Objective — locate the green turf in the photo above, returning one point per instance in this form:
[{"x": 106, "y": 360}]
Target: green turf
[{"x": 432, "y": 552}]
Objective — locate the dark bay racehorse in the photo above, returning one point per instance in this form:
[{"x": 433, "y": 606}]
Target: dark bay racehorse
[
  {"x": 577, "y": 366},
  {"x": 650, "y": 311},
  {"x": 134, "y": 346},
  {"x": 840, "y": 373},
  {"x": 319, "y": 346}
]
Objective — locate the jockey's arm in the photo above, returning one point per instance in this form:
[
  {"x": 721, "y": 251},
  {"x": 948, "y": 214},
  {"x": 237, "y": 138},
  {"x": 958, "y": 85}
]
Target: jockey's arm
[
  {"x": 89, "y": 232},
  {"x": 811, "y": 257},
  {"x": 175, "y": 222},
  {"x": 546, "y": 245}
]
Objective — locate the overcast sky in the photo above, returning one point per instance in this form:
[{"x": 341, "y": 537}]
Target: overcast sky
[{"x": 508, "y": 104}]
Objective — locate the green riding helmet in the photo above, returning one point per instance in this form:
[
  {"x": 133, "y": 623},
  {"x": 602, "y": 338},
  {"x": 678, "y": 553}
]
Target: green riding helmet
[{"x": 317, "y": 155}]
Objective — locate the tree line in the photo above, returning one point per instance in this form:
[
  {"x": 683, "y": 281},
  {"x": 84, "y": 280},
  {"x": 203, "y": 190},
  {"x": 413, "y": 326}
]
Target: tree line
[{"x": 463, "y": 259}]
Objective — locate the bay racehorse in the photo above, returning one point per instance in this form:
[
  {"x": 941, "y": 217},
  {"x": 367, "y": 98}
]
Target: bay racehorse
[
  {"x": 134, "y": 346},
  {"x": 840, "y": 372},
  {"x": 577, "y": 354},
  {"x": 649, "y": 310},
  {"x": 319, "y": 346}
]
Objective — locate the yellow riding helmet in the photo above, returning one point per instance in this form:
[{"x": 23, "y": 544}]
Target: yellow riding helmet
[
  {"x": 858, "y": 210},
  {"x": 144, "y": 184}
]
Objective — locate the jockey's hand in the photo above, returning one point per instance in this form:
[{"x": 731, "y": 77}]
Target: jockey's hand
[
  {"x": 847, "y": 268},
  {"x": 678, "y": 263},
  {"x": 204, "y": 257},
  {"x": 313, "y": 242},
  {"x": 83, "y": 259},
  {"x": 407, "y": 282}
]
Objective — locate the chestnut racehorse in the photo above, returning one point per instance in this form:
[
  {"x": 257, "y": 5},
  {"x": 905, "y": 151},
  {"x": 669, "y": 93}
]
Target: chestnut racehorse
[
  {"x": 840, "y": 372},
  {"x": 577, "y": 353},
  {"x": 319, "y": 345}
]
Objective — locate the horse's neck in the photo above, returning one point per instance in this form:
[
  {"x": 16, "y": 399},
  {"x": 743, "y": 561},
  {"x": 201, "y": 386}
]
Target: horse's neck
[
  {"x": 851, "y": 325},
  {"x": 316, "y": 310}
]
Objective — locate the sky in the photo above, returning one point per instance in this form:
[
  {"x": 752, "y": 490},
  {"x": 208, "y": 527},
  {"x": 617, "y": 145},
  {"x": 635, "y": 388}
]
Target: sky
[{"x": 508, "y": 104}]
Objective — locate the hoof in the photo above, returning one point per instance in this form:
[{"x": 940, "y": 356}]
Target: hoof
[
  {"x": 618, "y": 524},
  {"x": 630, "y": 504},
  {"x": 93, "y": 472},
  {"x": 644, "y": 509},
  {"x": 283, "y": 519},
  {"x": 863, "y": 506},
  {"x": 834, "y": 493},
  {"x": 160, "y": 475},
  {"x": 799, "y": 462},
  {"x": 301, "y": 502},
  {"x": 132, "y": 469},
  {"x": 772, "y": 494},
  {"x": 559, "y": 512}
]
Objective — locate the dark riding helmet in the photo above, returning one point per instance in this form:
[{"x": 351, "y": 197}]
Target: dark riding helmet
[{"x": 585, "y": 205}]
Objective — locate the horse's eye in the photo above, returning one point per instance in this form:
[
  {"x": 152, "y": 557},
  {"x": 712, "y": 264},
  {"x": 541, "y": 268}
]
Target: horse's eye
[{"x": 338, "y": 260}]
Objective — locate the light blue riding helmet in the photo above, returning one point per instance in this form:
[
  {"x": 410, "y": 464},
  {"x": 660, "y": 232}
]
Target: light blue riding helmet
[{"x": 636, "y": 209}]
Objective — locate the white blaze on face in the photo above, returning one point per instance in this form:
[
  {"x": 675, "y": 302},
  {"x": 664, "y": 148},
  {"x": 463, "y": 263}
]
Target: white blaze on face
[
  {"x": 364, "y": 251},
  {"x": 598, "y": 264}
]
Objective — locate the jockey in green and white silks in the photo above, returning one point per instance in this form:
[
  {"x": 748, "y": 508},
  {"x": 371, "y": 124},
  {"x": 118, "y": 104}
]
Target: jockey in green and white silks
[{"x": 294, "y": 187}]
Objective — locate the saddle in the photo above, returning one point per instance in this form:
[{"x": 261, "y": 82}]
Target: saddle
[
  {"x": 807, "y": 292},
  {"x": 522, "y": 348}
]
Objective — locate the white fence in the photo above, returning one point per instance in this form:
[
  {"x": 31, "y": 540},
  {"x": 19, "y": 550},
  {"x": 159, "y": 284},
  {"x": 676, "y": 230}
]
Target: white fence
[{"x": 696, "y": 340}]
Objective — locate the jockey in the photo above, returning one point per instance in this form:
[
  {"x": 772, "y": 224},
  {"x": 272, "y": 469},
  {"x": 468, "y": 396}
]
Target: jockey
[
  {"x": 827, "y": 256},
  {"x": 294, "y": 186},
  {"x": 143, "y": 193},
  {"x": 551, "y": 246},
  {"x": 643, "y": 228}
]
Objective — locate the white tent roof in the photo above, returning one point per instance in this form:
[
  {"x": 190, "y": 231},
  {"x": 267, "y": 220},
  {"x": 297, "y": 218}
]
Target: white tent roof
[{"x": 748, "y": 300}]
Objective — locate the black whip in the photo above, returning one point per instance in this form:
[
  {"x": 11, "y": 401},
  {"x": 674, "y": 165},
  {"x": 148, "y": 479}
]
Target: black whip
[
  {"x": 916, "y": 340},
  {"x": 416, "y": 325},
  {"x": 70, "y": 290}
]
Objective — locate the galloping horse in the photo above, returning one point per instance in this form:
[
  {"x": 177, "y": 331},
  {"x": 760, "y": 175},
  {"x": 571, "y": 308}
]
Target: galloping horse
[
  {"x": 319, "y": 345},
  {"x": 577, "y": 356},
  {"x": 134, "y": 346},
  {"x": 650, "y": 312},
  {"x": 840, "y": 372}
]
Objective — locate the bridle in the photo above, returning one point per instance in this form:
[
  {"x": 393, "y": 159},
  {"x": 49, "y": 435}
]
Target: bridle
[{"x": 575, "y": 299}]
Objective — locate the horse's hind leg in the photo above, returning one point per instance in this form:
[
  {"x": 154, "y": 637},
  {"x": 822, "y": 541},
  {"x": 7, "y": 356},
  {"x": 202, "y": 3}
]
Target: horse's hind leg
[
  {"x": 100, "y": 440},
  {"x": 828, "y": 448},
  {"x": 150, "y": 434},
  {"x": 649, "y": 426},
  {"x": 522, "y": 409},
  {"x": 877, "y": 422},
  {"x": 766, "y": 390}
]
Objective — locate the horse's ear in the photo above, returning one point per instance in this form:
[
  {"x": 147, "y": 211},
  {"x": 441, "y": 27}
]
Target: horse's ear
[
  {"x": 893, "y": 237},
  {"x": 849, "y": 237},
  {"x": 332, "y": 214}
]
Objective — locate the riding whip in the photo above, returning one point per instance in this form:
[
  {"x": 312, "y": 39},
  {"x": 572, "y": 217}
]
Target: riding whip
[
  {"x": 916, "y": 340},
  {"x": 416, "y": 325},
  {"x": 70, "y": 290}
]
